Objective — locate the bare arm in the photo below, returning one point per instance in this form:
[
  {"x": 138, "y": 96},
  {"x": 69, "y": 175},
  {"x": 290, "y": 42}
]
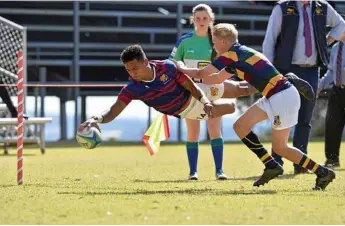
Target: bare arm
[
  {"x": 107, "y": 116},
  {"x": 217, "y": 78},
  {"x": 249, "y": 88},
  {"x": 195, "y": 72},
  {"x": 114, "y": 111},
  {"x": 198, "y": 94},
  {"x": 195, "y": 90}
]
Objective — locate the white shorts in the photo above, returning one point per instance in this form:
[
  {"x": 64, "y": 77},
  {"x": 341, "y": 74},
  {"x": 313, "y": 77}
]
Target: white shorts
[
  {"x": 282, "y": 108},
  {"x": 195, "y": 109}
]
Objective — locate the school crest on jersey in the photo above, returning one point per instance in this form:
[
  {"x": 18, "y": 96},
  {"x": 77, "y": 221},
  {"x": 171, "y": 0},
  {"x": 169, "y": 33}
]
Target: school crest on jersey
[
  {"x": 214, "y": 91},
  {"x": 163, "y": 78},
  {"x": 277, "y": 121}
]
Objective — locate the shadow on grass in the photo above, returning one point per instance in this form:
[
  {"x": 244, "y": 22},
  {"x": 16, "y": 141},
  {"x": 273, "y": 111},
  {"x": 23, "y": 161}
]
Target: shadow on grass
[
  {"x": 8, "y": 185},
  {"x": 253, "y": 178},
  {"x": 15, "y": 154},
  {"x": 54, "y": 186},
  {"x": 164, "y": 181},
  {"x": 173, "y": 192}
]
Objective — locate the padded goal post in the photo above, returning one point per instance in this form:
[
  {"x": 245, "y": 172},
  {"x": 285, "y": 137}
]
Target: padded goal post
[{"x": 13, "y": 46}]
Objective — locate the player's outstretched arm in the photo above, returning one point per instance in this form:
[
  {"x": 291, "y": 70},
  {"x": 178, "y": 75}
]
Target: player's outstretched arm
[
  {"x": 217, "y": 78},
  {"x": 195, "y": 72},
  {"x": 115, "y": 110},
  {"x": 107, "y": 116}
]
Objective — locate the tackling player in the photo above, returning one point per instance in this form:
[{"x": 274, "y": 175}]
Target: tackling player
[{"x": 280, "y": 102}]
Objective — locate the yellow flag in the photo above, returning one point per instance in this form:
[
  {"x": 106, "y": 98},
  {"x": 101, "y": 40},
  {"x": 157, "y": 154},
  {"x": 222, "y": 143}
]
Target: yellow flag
[{"x": 158, "y": 131}]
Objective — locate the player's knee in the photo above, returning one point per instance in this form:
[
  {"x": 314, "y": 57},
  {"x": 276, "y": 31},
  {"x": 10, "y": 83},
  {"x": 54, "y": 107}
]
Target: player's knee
[
  {"x": 238, "y": 125},
  {"x": 231, "y": 107}
]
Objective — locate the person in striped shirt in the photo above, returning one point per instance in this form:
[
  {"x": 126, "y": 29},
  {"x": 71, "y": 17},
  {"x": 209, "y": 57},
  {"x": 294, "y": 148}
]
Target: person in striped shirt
[
  {"x": 280, "y": 102},
  {"x": 160, "y": 85}
]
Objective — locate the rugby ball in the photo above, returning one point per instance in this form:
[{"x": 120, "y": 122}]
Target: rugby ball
[{"x": 89, "y": 137}]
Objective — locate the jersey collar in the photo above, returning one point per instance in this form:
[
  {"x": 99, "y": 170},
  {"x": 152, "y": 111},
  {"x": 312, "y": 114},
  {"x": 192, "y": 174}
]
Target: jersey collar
[{"x": 154, "y": 73}]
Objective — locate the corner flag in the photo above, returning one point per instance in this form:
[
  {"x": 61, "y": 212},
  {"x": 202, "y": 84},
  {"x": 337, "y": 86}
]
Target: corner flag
[{"x": 157, "y": 132}]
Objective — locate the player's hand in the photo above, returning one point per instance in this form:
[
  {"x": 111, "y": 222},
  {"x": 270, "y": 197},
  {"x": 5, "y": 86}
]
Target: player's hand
[
  {"x": 209, "y": 110},
  {"x": 89, "y": 123}
]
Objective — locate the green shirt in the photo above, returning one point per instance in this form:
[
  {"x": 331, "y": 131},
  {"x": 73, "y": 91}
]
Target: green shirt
[{"x": 193, "y": 50}]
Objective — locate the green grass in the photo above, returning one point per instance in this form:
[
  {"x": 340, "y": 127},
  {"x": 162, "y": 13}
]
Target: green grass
[{"x": 124, "y": 185}]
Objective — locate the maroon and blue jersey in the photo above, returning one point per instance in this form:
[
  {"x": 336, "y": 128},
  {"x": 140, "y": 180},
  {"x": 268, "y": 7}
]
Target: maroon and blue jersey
[
  {"x": 253, "y": 67},
  {"x": 164, "y": 93}
]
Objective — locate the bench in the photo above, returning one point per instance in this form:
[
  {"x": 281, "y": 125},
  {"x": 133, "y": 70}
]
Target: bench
[{"x": 36, "y": 138}]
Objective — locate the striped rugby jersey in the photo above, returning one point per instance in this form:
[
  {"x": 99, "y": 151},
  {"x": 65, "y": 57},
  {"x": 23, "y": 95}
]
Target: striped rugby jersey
[
  {"x": 253, "y": 67},
  {"x": 164, "y": 93}
]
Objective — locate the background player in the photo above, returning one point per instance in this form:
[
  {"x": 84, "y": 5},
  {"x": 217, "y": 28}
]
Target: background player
[{"x": 195, "y": 50}]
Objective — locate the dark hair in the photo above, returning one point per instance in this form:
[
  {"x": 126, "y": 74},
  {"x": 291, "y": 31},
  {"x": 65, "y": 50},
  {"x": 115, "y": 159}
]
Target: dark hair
[{"x": 132, "y": 52}]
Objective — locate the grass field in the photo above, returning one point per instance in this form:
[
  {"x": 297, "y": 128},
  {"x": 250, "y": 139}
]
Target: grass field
[{"x": 124, "y": 185}]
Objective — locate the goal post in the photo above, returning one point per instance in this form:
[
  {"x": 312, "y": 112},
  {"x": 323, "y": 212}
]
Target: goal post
[{"x": 13, "y": 69}]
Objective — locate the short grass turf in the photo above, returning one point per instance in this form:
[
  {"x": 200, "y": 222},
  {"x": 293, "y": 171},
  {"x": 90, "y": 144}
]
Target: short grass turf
[{"x": 125, "y": 185}]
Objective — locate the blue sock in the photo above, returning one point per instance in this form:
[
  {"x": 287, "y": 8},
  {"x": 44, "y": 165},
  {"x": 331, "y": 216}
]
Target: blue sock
[
  {"x": 192, "y": 152},
  {"x": 217, "y": 150}
]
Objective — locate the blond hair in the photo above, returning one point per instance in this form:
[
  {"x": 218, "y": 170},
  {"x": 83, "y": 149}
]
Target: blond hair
[{"x": 225, "y": 31}]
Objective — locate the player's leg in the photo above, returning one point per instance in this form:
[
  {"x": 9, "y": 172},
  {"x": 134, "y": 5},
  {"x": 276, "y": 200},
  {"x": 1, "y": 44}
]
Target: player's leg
[
  {"x": 214, "y": 130},
  {"x": 281, "y": 147},
  {"x": 223, "y": 107},
  {"x": 243, "y": 128},
  {"x": 285, "y": 108},
  {"x": 196, "y": 109},
  {"x": 234, "y": 89},
  {"x": 192, "y": 146}
]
